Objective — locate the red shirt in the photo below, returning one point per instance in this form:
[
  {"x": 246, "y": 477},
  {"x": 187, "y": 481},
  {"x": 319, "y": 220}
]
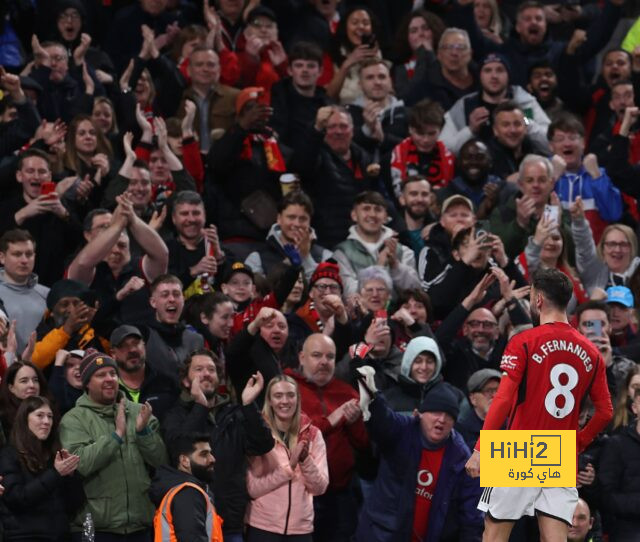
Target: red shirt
[
  {"x": 426, "y": 482},
  {"x": 549, "y": 370}
]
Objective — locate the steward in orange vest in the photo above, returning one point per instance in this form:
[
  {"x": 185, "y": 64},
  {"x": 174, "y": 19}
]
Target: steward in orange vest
[{"x": 185, "y": 511}]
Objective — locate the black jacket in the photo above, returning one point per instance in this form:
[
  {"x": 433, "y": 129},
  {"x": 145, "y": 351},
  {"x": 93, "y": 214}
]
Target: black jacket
[
  {"x": 293, "y": 112},
  {"x": 332, "y": 184},
  {"x": 188, "y": 508},
  {"x": 619, "y": 477},
  {"x": 462, "y": 361},
  {"x": 236, "y": 432},
  {"x": 33, "y": 505},
  {"x": 161, "y": 391}
]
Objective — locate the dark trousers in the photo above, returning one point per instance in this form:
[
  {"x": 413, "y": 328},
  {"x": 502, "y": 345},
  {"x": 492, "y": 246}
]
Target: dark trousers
[
  {"x": 139, "y": 536},
  {"x": 258, "y": 535},
  {"x": 335, "y": 516}
]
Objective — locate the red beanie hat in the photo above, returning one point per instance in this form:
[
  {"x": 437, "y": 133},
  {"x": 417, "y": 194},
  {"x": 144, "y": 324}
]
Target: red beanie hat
[{"x": 327, "y": 270}]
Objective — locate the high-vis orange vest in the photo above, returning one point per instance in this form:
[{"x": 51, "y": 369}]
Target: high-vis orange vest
[{"x": 163, "y": 520}]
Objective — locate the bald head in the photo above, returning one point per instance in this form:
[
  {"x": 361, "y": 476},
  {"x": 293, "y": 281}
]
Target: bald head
[
  {"x": 318, "y": 359},
  {"x": 581, "y": 522}
]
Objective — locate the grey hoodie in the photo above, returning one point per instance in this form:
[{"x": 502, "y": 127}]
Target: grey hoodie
[
  {"x": 25, "y": 303},
  {"x": 416, "y": 347}
]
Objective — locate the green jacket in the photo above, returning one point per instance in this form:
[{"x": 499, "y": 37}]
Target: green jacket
[{"x": 116, "y": 480}]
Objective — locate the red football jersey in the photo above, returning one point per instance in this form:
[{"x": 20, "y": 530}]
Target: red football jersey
[{"x": 548, "y": 372}]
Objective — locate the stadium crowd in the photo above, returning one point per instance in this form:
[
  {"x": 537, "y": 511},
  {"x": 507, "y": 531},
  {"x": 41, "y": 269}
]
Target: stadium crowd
[{"x": 215, "y": 214}]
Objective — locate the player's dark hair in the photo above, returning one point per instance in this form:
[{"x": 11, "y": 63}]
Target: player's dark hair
[
  {"x": 554, "y": 285},
  {"x": 592, "y": 305}
]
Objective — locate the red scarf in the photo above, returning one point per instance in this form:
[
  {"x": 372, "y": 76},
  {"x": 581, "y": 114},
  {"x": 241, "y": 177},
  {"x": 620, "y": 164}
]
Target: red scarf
[
  {"x": 309, "y": 315},
  {"x": 439, "y": 171},
  {"x": 272, "y": 153}
]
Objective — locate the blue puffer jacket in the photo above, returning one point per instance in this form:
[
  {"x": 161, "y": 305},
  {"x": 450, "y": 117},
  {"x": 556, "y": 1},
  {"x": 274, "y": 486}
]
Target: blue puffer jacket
[{"x": 388, "y": 516}]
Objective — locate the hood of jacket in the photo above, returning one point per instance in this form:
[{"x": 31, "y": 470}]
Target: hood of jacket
[
  {"x": 105, "y": 411},
  {"x": 415, "y": 347},
  {"x": 393, "y": 104},
  {"x": 167, "y": 477},
  {"x": 32, "y": 282},
  {"x": 387, "y": 233}
]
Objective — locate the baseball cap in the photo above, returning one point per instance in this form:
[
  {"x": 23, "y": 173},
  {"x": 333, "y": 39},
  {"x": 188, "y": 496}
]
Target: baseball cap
[
  {"x": 262, "y": 11},
  {"x": 478, "y": 379},
  {"x": 237, "y": 267},
  {"x": 454, "y": 200},
  {"x": 120, "y": 333},
  {"x": 621, "y": 295}
]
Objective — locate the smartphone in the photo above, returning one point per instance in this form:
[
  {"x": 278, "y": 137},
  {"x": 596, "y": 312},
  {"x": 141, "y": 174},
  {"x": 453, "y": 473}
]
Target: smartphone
[
  {"x": 594, "y": 327},
  {"x": 369, "y": 40},
  {"x": 552, "y": 213},
  {"x": 381, "y": 314},
  {"x": 584, "y": 460},
  {"x": 48, "y": 188}
]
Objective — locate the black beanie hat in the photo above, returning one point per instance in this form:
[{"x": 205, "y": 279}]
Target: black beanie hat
[
  {"x": 64, "y": 288},
  {"x": 441, "y": 399}
]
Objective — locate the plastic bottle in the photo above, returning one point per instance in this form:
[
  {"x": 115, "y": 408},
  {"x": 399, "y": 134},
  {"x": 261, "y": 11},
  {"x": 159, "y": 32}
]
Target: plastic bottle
[{"x": 88, "y": 531}]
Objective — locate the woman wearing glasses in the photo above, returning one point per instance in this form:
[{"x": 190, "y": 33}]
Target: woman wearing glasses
[{"x": 612, "y": 262}]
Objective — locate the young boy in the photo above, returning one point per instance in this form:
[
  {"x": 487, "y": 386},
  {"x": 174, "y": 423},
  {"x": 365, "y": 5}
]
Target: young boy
[
  {"x": 239, "y": 285},
  {"x": 421, "y": 153}
]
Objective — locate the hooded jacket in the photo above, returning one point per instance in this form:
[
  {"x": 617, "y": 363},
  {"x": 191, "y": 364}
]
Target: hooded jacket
[
  {"x": 393, "y": 119},
  {"x": 353, "y": 256},
  {"x": 236, "y": 432},
  {"x": 263, "y": 260},
  {"x": 25, "y": 303},
  {"x": 116, "y": 479},
  {"x": 408, "y": 394},
  {"x": 283, "y": 497},
  {"x": 456, "y": 129}
]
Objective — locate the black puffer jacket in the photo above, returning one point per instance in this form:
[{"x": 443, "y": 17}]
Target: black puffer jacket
[
  {"x": 619, "y": 477},
  {"x": 33, "y": 505},
  {"x": 236, "y": 432}
]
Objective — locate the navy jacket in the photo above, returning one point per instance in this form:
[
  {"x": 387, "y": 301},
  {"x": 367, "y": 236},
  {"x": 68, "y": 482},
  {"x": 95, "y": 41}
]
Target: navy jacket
[{"x": 388, "y": 516}]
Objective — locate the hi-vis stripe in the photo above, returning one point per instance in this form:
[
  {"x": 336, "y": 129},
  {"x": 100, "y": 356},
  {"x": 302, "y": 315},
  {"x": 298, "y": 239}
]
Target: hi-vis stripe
[{"x": 165, "y": 532}]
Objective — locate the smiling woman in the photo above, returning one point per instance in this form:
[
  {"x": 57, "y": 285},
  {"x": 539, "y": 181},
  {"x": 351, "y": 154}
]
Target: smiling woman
[
  {"x": 34, "y": 459},
  {"x": 283, "y": 482}
]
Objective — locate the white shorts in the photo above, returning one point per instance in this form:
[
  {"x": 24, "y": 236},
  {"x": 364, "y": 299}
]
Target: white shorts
[{"x": 511, "y": 503}]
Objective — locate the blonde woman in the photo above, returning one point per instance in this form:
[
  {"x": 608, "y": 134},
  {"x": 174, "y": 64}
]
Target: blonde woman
[{"x": 283, "y": 482}]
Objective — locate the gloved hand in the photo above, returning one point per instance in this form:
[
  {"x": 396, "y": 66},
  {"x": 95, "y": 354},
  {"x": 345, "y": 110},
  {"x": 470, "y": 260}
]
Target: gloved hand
[
  {"x": 367, "y": 389},
  {"x": 292, "y": 253}
]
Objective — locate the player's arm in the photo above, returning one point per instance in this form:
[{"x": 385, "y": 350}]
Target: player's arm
[
  {"x": 599, "y": 395},
  {"x": 512, "y": 365}
]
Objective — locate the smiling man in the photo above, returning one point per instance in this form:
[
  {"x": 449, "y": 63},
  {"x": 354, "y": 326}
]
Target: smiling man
[
  {"x": 474, "y": 114},
  {"x": 292, "y": 227},
  {"x": 44, "y": 216},
  {"x": 117, "y": 441},
  {"x": 370, "y": 242},
  {"x": 234, "y": 431}
]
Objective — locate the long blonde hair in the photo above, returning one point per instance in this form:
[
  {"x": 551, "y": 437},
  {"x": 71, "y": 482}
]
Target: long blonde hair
[{"x": 270, "y": 417}]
